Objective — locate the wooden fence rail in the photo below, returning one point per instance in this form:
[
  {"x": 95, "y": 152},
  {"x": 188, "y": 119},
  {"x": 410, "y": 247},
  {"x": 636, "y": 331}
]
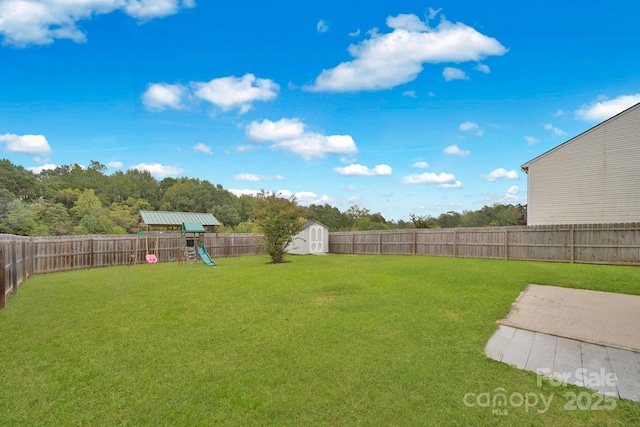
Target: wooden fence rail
[{"x": 618, "y": 244}]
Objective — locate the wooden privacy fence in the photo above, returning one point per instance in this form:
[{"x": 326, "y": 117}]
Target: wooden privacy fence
[
  {"x": 22, "y": 257},
  {"x": 617, "y": 244}
]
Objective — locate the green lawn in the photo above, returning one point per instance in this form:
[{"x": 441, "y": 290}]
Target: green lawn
[{"x": 332, "y": 340}]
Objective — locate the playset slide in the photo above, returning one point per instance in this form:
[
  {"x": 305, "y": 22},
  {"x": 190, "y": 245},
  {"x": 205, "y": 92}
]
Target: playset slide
[{"x": 204, "y": 256}]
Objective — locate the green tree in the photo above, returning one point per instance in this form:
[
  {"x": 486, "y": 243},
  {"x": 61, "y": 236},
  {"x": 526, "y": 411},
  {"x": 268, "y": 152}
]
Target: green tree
[
  {"x": 17, "y": 180},
  {"x": 144, "y": 186},
  {"x": 423, "y": 221},
  {"x": 188, "y": 195},
  {"x": 125, "y": 215},
  {"x": 91, "y": 216},
  {"x": 19, "y": 219},
  {"x": 52, "y": 219},
  {"x": 279, "y": 221},
  {"x": 329, "y": 216},
  {"x": 450, "y": 219}
]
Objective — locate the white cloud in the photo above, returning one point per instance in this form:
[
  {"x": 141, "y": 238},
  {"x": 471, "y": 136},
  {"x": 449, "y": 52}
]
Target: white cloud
[
  {"x": 28, "y": 144},
  {"x": 275, "y": 131},
  {"x": 158, "y": 170},
  {"x": 202, "y": 148},
  {"x": 292, "y": 135},
  {"x": 531, "y": 140},
  {"x": 159, "y": 96},
  {"x": 361, "y": 170},
  {"x": 501, "y": 173},
  {"x": 468, "y": 126},
  {"x": 236, "y": 92},
  {"x": 355, "y": 33},
  {"x": 420, "y": 165},
  {"x": 302, "y": 197},
  {"x": 456, "y": 151},
  {"x": 37, "y": 22},
  {"x": 556, "y": 131},
  {"x": 605, "y": 109},
  {"x": 512, "y": 194},
  {"x": 147, "y": 9},
  {"x": 387, "y": 60},
  {"x": 434, "y": 12},
  {"x": 256, "y": 178},
  {"x": 409, "y": 93},
  {"x": 115, "y": 165},
  {"x": 305, "y": 197},
  {"x": 37, "y": 169},
  {"x": 456, "y": 184},
  {"x": 407, "y": 22},
  {"x": 452, "y": 73},
  {"x": 443, "y": 180},
  {"x": 227, "y": 93},
  {"x": 322, "y": 26},
  {"x": 483, "y": 68}
]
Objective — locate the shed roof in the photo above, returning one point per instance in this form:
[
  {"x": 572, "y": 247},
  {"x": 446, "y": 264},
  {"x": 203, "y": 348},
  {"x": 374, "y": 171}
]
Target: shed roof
[
  {"x": 165, "y": 219},
  {"x": 308, "y": 224},
  {"x": 525, "y": 167}
]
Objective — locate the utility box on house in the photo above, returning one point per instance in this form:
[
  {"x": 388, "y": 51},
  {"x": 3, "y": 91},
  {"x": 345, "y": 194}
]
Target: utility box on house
[{"x": 313, "y": 239}]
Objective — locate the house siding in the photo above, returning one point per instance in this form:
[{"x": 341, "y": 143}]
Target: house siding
[{"x": 593, "y": 178}]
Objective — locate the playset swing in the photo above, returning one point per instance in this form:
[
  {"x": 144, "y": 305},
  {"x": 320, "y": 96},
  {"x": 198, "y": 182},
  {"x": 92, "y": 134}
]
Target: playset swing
[{"x": 151, "y": 258}]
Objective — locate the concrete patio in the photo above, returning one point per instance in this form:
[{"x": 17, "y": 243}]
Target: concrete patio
[{"x": 586, "y": 338}]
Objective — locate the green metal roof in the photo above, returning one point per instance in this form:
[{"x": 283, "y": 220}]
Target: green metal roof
[
  {"x": 192, "y": 227},
  {"x": 162, "y": 218}
]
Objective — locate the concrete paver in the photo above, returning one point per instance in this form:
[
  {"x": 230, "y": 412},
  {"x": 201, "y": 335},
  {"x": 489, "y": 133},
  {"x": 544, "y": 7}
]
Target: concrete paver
[
  {"x": 595, "y": 360},
  {"x": 499, "y": 342},
  {"x": 626, "y": 367},
  {"x": 519, "y": 348},
  {"x": 543, "y": 353}
]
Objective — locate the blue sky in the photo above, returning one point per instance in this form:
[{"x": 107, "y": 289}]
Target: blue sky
[{"x": 400, "y": 107}]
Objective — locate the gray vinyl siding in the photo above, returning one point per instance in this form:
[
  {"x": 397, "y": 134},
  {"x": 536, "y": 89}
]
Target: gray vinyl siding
[{"x": 593, "y": 178}]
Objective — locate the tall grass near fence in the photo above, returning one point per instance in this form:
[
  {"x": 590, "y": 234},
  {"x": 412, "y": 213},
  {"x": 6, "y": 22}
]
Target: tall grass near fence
[{"x": 332, "y": 340}]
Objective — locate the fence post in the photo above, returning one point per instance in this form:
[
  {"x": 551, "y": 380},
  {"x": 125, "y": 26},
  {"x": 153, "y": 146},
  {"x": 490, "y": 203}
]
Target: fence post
[
  {"x": 3, "y": 289},
  {"x": 91, "y": 252},
  {"x": 455, "y": 243},
  {"x": 32, "y": 261},
  {"x": 572, "y": 244},
  {"x": 14, "y": 268},
  {"x": 415, "y": 241},
  {"x": 506, "y": 244}
]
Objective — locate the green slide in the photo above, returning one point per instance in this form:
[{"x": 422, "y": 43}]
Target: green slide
[{"x": 204, "y": 256}]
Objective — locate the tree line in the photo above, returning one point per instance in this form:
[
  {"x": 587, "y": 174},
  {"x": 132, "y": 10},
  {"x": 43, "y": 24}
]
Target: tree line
[{"x": 72, "y": 199}]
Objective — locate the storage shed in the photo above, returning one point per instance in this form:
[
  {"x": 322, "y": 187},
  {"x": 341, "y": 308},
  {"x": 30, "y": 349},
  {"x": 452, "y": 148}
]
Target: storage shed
[
  {"x": 592, "y": 178},
  {"x": 313, "y": 239}
]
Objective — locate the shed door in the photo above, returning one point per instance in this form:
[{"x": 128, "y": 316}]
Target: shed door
[{"x": 315, "y": 239}]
